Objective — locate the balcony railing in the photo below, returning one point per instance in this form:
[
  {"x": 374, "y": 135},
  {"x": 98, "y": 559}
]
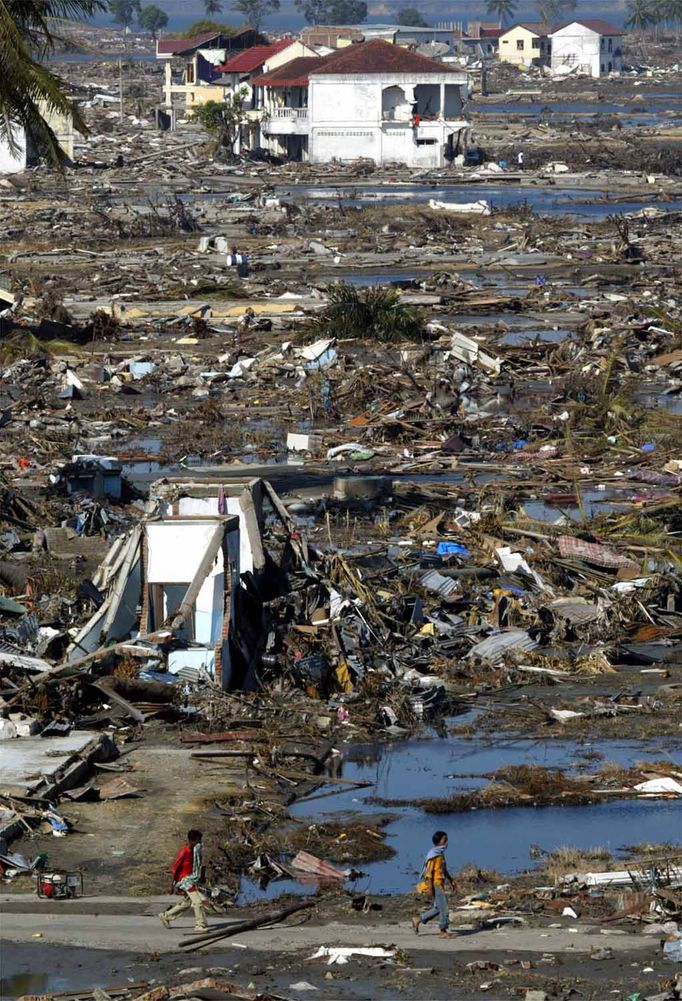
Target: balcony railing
[{"x": 297, "y": 113}]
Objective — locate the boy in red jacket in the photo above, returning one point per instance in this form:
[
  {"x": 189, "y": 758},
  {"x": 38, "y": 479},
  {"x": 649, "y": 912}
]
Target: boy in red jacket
[{"x": 187, "y": 873}]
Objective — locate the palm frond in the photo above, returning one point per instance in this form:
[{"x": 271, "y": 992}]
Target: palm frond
[{"x": 28, "y": 88}]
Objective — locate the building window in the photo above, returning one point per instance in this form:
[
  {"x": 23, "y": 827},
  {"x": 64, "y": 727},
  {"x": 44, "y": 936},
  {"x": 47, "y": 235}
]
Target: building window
[
  {"x": 189, "y": 73},
  {"x": 601, "y": 44},
  {"x": 519, "y": 45},
  {"x": 602, "y": 68},
  {"x": 610, "y": 45},
  {"x": 535, "y": 43}
]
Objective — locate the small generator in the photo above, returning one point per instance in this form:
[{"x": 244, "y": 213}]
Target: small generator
[{"x": 59, "y": 885}]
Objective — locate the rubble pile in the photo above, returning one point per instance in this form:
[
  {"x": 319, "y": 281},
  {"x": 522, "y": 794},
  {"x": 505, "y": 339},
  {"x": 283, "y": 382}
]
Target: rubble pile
[{"x": 298, "y": 461}]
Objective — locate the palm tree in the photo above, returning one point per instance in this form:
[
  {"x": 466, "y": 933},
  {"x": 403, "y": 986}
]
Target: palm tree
[
  {"x": 674, "y": 13},
  {"x": 28, "y": 89},
  {"x": 668, "y": 10},
  {"x": 213, "y": 7},
  {"x": 504, "y": 9},
  {"x": 640, "y": 15}
]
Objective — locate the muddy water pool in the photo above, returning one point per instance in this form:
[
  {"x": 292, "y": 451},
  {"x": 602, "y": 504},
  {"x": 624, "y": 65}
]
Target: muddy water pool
[
  {"x": 574, "y": 202},
  {"x": 499, "y": 839}
]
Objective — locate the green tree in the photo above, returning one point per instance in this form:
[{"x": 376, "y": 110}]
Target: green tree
[
  {"x": 504, "y": 10},
  {"x": 213, "y": 7},
  {"x": 551, "y": 11},
  {"x": 639, "y": 15},
  {"x": 347, "y": 11},
  {"x": 314, "y": 11},
  {"x": 374, "y": 313},
  {"x": 411, "y": 18},
  {"x": 124, "y": 12},
  {"x": 672, "y": 10},
  {"x": 152, "y": 19},
  {"x": 28, "y": 88},
  {"x": 205, "y": 25},
  {"x": 332, "y": 11},
  {"x": 254, "y": 12},
  {"x": 223, "y": 119}
]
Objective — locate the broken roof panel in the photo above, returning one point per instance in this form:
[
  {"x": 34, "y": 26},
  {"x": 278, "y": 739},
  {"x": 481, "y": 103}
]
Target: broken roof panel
[
  {"x": 174, "y": 46},
  {"x": 593, "y": 552},
  {"x": 494, "y": 647}
]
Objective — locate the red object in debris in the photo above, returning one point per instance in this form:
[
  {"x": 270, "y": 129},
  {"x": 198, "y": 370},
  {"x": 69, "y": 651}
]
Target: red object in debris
[
  {"x": 310, "y": 864},
  {"x": 560, "y": 498},
  {"x": 24, "y": 463}
]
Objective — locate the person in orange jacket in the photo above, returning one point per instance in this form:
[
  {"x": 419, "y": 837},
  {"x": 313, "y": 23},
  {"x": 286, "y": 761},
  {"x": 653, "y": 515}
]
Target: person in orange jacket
[{"x": 433, "y": 879}]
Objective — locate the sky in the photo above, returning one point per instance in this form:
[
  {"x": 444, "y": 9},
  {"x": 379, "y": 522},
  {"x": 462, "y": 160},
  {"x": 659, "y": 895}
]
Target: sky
[{"x": 182, "y": 13}]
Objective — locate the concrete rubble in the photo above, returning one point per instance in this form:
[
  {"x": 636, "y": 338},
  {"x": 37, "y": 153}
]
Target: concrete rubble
[{"x": 301, "y": 460}]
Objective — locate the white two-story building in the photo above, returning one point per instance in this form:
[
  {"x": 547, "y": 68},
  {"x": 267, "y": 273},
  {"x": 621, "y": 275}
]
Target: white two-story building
[
  {"x": 587, "y": 47},
  {"x": 374, "y": 100}
]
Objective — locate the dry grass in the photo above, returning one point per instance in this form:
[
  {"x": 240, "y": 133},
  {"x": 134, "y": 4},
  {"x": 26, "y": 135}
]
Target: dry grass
[
  {"x": 593, "y": 664},
  {"x": 470, "y": 874},
  {"x": 533, "y": 780},
  {"x": 23, "y": 344},
  {"x": 567, "y": 859}
]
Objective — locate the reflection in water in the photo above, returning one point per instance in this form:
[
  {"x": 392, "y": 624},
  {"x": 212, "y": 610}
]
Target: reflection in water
[
  {"x": 494, "y": 839},
  {"x": 24, "y": 983}
]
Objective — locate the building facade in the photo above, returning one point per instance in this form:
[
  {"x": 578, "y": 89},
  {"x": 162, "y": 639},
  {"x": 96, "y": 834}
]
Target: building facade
[
  {"x": 525, "y": 45},
  {"x": 237, "y": 74},
  {"x": 374, "y": 100},
  {"x": 192, "y": 74},
  {"x": 588, "y": 48}
]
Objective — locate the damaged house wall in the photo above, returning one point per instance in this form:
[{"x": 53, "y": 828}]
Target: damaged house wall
[
  {"x": 174, "y": 553},
  {"x": 193, "y": 583},
  {"x": 115, "y": 619}
]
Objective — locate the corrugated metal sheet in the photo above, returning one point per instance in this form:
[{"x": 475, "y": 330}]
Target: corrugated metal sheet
[
  {"x": 576, "y": 611},
  {"x": 434, "y": 581},
  {"x": 496, "y": 646}
]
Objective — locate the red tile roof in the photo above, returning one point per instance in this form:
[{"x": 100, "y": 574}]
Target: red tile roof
[
  {"x": 378, "y": 56},
  {"x": 293, "y": 74},
  {"x": 251, "y": 59},
  {"x": 594, "y": 24},
  {"x": 170, "y": 46},
  {"x": 365, "y": 57}
]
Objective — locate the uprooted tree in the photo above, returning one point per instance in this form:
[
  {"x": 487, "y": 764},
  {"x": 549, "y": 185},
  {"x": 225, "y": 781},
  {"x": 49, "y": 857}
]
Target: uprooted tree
[{"x": 223, "y": 119}]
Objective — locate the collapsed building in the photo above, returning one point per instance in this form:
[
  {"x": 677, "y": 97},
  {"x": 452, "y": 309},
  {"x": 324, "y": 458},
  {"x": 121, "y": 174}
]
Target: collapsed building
[{"x": 188, "y": 583}]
